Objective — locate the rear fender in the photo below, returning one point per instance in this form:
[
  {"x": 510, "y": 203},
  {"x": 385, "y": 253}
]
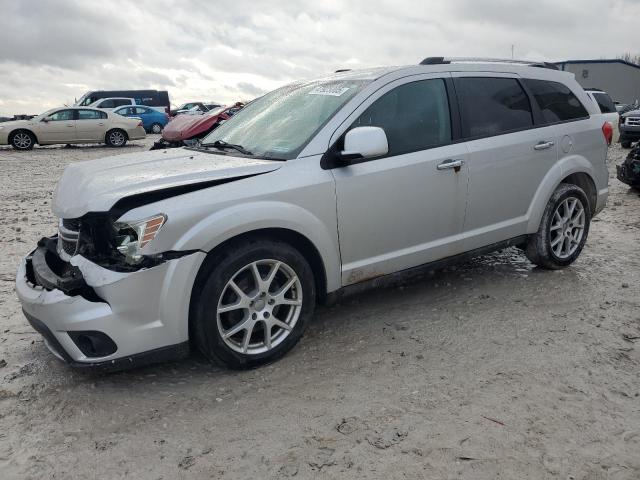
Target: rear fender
[{"x": 562, "y": 169}]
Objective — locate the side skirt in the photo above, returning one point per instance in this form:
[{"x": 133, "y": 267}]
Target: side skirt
[{"x": 404, "y": 276}]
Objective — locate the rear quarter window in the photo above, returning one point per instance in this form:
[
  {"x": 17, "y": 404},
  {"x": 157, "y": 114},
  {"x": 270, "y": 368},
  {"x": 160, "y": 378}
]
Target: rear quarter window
[{"x": 556, "y": 101}]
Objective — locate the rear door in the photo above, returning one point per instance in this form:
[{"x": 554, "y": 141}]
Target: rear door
[
  {"x": 59, "y": 127},
  {"x": 508, "y": 155},
  {"x": 91, "y": 125}
]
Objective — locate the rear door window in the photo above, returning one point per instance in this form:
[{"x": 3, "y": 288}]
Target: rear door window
[
  {"x": 121, "y": 101},
  {"x": 91, "y": 115},
  {"x": 415, "y": 116},
  {"x": 604, "y": 102},
  {"x": 106, "y": 104},
  {"x": 491, "y": 106},
  {"x": 556, "y": 101}
]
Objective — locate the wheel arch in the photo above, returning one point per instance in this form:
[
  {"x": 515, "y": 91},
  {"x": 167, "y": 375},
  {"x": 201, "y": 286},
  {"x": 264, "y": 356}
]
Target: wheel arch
[
  {"x": 575, "y": 170},
  {"x": 106, "y": 134},
  {"x": 22, "y": 129},
  {"x": 586, "y": 183},
  {"x": 298, "y": 241}
]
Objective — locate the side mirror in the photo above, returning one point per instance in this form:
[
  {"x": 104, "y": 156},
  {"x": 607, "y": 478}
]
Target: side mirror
[
  {"x": 365, "y": 142},
  {"x": 45, "y": 120}
]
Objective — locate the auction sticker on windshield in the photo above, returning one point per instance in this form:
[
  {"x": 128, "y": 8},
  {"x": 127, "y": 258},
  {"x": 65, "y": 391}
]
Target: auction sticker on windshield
[{"x": 332, "y": 90}]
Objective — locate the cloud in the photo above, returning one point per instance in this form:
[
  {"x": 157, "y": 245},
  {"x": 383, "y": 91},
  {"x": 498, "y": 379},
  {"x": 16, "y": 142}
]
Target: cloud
[{"x": 52, "y": 52}]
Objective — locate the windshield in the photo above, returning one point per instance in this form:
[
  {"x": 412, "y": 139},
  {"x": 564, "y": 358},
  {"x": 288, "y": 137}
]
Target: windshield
[
  {"x": 280, "y": 124},
  {"x": 45, "y": 114}
]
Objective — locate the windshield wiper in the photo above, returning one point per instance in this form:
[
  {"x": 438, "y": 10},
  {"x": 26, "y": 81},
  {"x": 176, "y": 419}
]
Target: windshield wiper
[{"x": 222, "y": 145}]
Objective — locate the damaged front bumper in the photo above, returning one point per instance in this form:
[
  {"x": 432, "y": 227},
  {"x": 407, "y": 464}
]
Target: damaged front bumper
[{"x": 91, "y": 316}]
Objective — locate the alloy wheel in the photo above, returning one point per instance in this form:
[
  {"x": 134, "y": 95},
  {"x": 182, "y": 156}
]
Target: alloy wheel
[
  {"x": 156, "y": 128},
  {"x": 259, "y": 307},
  {"x": 567, "y": 227},
  {"x": 22, "y": 140},
  {"x": 116, "y": 138}
]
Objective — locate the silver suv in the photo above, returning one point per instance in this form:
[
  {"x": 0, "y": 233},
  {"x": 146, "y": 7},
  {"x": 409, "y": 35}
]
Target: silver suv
[{"x": 308, "y": 192}]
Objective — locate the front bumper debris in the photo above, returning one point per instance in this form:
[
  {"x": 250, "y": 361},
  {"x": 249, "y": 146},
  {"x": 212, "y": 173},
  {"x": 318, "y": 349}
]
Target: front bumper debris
[{"x": 629, "y": 171}]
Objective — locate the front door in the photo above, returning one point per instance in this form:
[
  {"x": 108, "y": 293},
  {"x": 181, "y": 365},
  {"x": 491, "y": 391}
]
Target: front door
[
  {"x": 59, "y": 127},
  {"x": 406, "y": 208}
]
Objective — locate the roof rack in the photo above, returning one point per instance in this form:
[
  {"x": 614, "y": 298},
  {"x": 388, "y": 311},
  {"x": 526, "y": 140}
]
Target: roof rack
[{"x": 445, "y": 60}]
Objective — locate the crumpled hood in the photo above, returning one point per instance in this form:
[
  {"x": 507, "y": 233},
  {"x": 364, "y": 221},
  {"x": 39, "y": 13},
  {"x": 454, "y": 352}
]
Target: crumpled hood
[
  {"x": 184, "y": 127},
  {"x": 96, "y": 185}
]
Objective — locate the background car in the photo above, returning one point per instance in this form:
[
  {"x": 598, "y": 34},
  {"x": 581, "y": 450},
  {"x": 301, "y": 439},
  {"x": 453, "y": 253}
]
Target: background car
[
  {"x": 71, "y": 125},
  {"x": 151, "y": 98},
  {"x": 629, "y": 128},
  {"x": 183, "y": 128},
  {"x": 152, "y": 120},
  {"x": 607, "y": 108},
  {"x": 114, "y": 102}
]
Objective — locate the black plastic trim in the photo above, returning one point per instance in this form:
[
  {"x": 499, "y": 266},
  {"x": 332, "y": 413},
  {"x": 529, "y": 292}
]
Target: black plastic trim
[{"x": 404, "y": 275}]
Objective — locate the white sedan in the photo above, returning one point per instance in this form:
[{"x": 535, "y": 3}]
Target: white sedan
[{"x": 71, "y": 125}]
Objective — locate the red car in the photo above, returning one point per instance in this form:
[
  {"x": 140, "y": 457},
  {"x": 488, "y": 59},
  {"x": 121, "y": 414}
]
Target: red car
[{"x": 185, "y": 129}]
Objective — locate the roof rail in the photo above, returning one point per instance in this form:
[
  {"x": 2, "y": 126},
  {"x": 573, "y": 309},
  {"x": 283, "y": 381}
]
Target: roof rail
[
  {"x": 445, "y": 60},
  {"x": 342, "y": 70}
]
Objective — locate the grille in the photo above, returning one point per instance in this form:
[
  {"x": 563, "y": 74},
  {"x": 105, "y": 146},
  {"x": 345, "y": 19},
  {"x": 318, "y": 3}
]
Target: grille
[
  {"x": 68, "y": 233},
  {"x": 633, "y": 121}
]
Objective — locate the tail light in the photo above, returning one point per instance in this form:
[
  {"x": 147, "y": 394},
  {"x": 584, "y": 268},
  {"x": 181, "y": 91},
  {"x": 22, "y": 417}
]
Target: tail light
[
  {"x": 140, "y": 123},
  {"x": 607, "y": 131}
]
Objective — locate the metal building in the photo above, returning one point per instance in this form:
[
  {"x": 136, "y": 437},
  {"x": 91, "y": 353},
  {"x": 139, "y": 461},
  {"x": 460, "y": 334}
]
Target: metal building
[{"x": 620, "y": 79}]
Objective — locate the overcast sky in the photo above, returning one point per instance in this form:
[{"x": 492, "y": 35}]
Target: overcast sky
[{"x": 52, "y": 51}]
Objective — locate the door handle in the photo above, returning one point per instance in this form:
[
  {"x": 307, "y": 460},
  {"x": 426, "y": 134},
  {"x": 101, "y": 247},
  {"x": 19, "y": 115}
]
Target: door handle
[
  {"x": 72, "y": 125},
  {"x": 451, "y": 163},
  {"x": 543, "y": 145},
  {"x": 101, "y": 124}
]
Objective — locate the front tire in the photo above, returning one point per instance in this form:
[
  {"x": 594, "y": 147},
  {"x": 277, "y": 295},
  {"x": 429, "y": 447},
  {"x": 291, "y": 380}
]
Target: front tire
[
  {"x": 22, "y": 140},
  {"x": 563, "y": 229},
  {"x": 116, "y": 138},
  {"x": 625, "y": 144},
  {"x": 251, "y": 303}
]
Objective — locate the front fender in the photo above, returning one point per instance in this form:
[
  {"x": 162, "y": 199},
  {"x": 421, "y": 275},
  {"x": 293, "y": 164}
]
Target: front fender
[
  {"x": 562, "y": 169},
  {"x": 243, "y": 218}
]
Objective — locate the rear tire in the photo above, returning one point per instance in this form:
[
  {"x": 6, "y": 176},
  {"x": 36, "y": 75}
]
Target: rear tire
[
  {"x": 22, "y": 140},
  {"x": 563, "y": 229},
  {"x": 156, "y": 128},
  {"x": 116, "y": 138},
  {"x": 242, "y": 322}
]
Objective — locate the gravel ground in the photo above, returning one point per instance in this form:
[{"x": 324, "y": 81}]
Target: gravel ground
[{"x": 493, "y": 369}]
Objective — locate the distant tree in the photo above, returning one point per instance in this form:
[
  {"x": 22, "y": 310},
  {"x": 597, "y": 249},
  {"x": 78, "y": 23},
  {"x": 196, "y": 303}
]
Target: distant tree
[{"x": 629, "y": 57}]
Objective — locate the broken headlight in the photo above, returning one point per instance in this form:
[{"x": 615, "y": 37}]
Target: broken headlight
[{"x": 131, "y": 237}]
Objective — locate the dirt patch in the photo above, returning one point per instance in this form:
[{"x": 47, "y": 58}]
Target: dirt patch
[{"x": 493, "y": 369}]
